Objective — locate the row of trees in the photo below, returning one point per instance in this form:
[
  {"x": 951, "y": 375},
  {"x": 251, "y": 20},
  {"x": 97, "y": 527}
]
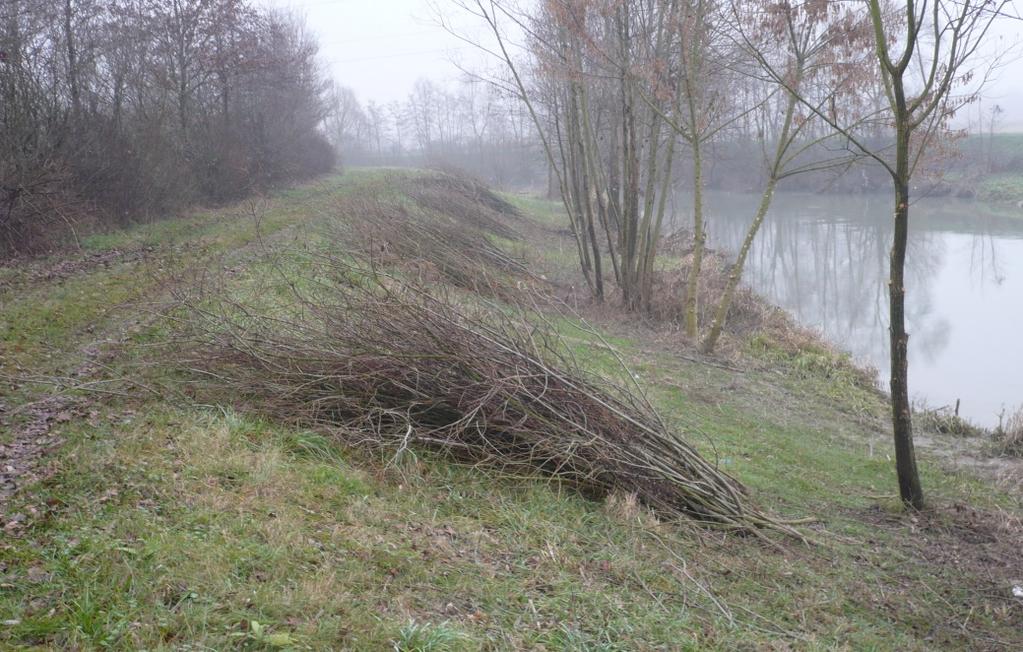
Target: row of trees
[
  {"x": 627, "y": 96},
  {"x": 624, "y": 92},
  {"x": 474, "y": 126},
  {"x": 115, "y": 109}
]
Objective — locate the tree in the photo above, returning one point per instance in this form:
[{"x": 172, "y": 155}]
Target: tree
[
  {"x": 957, "y": 28},
  {"x": 924, "y": 51},
  {"x": 608, "y": 147},
  {"x": 347, "y": 122},
  {"x": 813, "y": 52}
]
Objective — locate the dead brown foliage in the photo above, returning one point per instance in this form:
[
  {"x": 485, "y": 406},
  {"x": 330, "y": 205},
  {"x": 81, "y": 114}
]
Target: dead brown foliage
[
  {"x": 747, "y": 313},
  {"x": 466, "y": 199}
]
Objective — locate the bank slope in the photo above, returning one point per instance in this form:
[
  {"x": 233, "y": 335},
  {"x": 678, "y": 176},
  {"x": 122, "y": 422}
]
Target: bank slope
[{"x": 159, "y": 522}]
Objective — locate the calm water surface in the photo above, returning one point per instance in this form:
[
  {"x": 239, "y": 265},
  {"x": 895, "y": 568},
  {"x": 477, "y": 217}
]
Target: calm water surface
[{"x": 825, "y": 260}]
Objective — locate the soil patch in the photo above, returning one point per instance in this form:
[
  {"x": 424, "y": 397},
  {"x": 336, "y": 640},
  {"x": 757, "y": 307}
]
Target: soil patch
[{"x": 974, "y": 557}]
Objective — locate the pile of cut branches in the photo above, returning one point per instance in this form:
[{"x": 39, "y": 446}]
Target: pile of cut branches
[
  {"x": 441, "y": 236},
  {"x": 384, "y": 362},
  {"x": 462, "y": 195}
]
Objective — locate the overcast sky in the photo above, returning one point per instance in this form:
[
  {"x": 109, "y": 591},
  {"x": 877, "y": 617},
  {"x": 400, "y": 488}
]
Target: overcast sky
[{"x": 381, "y": 47}]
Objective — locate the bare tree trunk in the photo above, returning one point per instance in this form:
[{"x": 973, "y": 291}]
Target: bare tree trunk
[
  {"x": 776, "y": 171},
  {"x": 614, "y": 181},
  {"x": 72, "y": 61},
  {"x": 595, "y": 172},
  {"x": 699, "y": 237},
  {"x": 573, "y": 198},
  {"x": 578, "y": 171},
  {"x": 693, "y": 65},
  {"x": 902, "y": 423},
  {"x": 735, "y": 274},
  {"x": 565, "y": 181},
  {"x": 651, "y": 254}
]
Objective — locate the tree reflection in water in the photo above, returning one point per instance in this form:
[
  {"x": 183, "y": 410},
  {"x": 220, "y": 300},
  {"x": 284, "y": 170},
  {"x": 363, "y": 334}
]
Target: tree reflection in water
[{"x": 824, "y": 258}]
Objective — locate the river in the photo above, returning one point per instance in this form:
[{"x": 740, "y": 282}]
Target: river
[{"x": 824, "y": 258}]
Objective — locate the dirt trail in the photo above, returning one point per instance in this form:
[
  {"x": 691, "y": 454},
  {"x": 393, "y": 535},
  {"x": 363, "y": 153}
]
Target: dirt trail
[
  {"x": 21, "y": 458},
  {"x": 32, "y": 430},
  {"x": 31, "y": 417}
]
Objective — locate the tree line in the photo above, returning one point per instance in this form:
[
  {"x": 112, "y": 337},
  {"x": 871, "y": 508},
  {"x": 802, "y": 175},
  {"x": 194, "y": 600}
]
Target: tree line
[
  {"x": 472, "y": 125},
  {"x": 115, "y": 110}
]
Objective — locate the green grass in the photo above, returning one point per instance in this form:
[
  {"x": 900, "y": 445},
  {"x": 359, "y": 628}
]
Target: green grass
[
  {"x": 1001, "y": 188},
  {"x": 168, "y": 525},
  {"x": 1002, "y": 151},
  {"x": 547, "y": 212}
]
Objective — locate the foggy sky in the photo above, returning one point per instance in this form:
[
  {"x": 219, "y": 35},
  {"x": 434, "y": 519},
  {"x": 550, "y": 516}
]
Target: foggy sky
[{"x": 381, "y": 47}]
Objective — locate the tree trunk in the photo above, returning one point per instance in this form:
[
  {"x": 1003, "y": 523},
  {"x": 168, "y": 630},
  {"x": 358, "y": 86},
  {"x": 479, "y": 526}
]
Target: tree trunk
[
  {"x": 902, "y": 424},
  {"x": 592, "y": 152},
  {"x": 651, "y": 254},
  {"x": 576, "y": 171},
  {"x": 72, "y": 61},
  {"x": 735, "y": 275},
  {"x": 776, "y": 172},
  {"x": 699, "y": 237}
]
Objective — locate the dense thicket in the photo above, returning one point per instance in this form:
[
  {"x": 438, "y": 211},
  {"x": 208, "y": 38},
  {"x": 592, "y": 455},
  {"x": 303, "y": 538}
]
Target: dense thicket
[{"x": 115, "y": 109}]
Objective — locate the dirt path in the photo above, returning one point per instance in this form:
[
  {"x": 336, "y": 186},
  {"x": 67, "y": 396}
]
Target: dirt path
[
  {"x": 40, "y": 402},
  {"x": 33, "y": 429},
  {"x": 22, "y": 456}
]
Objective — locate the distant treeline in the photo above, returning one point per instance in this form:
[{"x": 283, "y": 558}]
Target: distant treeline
[
  {"x": 112, "y": 110},
  {"x": 475, "y": 127},
  {"x": 480, "y": 128}
]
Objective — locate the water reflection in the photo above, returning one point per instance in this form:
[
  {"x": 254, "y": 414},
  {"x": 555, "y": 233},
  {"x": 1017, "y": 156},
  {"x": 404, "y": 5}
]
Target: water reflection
[{"x": 825, "y": 259}]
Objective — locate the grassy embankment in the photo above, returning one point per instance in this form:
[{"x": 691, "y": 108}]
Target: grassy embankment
[
  {"x": 1001, "y": 151},
  {"x": 166, "y": 524}
]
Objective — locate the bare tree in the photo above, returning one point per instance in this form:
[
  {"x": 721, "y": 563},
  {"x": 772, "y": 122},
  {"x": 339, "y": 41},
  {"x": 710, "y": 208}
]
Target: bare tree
[
  {"x": 926, "y": 53},
  {"x": 813, "y": 53},
  {"x": 609, "y": 148}
]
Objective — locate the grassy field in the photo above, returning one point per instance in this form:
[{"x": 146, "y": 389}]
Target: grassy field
[{"x": 160, "y": 522}]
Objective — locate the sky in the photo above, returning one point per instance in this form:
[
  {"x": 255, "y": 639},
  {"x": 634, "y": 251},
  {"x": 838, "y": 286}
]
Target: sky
[{"x": 380, "y": 48}]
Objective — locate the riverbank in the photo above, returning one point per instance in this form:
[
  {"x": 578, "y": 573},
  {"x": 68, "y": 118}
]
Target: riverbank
[
  {"x": 148, "y": 518},
  {"x": 990, "y": 169},
  {"x": 824, "y": 259},
  {"x": 999, "y": 194}
]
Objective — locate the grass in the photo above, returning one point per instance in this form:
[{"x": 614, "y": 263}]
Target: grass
[
  {"x": 1002, "y": 150},
  {"x": 1006, "y": 187},
  {"x": 170, "y": 525}
]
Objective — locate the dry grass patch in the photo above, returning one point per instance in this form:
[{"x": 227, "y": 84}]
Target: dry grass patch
[
  {"x": 436, "y": 228},
  {"x": 1008, "y": 437}
]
